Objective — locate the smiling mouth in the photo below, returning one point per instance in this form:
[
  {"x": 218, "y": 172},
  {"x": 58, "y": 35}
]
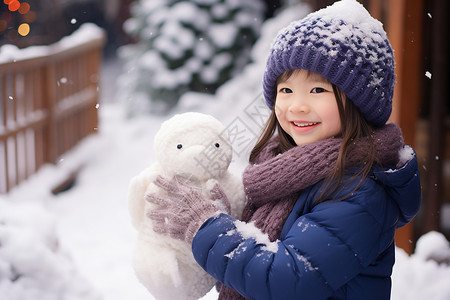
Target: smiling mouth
[{"x": 305, "y": 124}]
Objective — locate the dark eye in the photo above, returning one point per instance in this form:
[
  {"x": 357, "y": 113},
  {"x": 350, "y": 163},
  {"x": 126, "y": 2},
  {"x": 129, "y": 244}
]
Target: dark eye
[
  {"x": 317, "y": 90},
  {"x": 217, "y": 145},
  {"x": 179, "y": 146},
  {"x": 286, "y": 91}
]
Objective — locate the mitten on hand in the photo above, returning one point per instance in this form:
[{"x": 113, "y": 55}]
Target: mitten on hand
[
  {"x": 183, "y": 211},
  {"x": 388, "y": 142}
]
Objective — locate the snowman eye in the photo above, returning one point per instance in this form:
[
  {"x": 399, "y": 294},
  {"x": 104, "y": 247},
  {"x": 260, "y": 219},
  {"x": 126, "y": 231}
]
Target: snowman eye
[
  {"x": 179, "y": 146},
  {"x": 217, "y": 145}
]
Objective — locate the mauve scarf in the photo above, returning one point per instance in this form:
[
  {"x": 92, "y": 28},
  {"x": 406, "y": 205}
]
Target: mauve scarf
[{"x": 274, "y": 182}]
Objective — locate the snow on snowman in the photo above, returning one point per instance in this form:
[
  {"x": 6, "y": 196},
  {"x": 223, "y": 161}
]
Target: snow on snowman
[{"x": 195, "y": 147}]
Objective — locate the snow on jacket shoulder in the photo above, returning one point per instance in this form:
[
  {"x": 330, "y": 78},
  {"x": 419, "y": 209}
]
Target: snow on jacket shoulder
[{"x": 333, "y": 250}]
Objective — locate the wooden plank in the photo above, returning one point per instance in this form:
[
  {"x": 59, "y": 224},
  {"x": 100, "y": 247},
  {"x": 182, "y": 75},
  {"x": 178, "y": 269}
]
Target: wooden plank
[
  {"x": 39, "y": 148},
  {"x": 28, "y": 110},
  {"x": 37, "y": 106},
  {"x": 3, "y": 172},
  {"x": 4, "y": 103},
  {"x": 50, "y": 134},
  {"x": 24, "y": 64},
  {"x": 18, "y": 110},
  {"x": 14, "y": 100},
  {"x": 405, "y": 33},
  {"x": 395, "y": 30},
  {"x": 376, "y": 8},
  {"x": 439, "y": 94},
  {"x": 28, "y": 150},
  {"x": 12, "y": 141},
  {"x": 413, "y": 73},
  {"x": 7, "y": 178}
]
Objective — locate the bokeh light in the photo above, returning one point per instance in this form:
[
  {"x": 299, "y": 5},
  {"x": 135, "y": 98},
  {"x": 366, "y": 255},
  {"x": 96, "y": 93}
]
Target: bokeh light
[
  {"x": 24, "y": 29},
  {"x": 13, "y": 5},
  {"x": 19, "y": 12},
  {"x": 24, "y": 8}
]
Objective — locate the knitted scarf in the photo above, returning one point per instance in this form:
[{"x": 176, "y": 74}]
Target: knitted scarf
[{"x": 274, "y": 182}]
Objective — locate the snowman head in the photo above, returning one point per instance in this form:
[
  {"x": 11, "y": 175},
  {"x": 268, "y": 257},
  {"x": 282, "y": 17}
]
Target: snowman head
[{"x": 193, "y": 145}]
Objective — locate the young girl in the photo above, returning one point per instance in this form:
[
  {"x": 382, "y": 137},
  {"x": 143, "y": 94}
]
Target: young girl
[{"x": 328, "y": 182}]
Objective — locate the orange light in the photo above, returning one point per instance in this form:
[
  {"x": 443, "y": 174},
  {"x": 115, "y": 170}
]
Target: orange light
[
  {"x": 7, "y": 1},
  {"x": 24, "y": 29},
  {"x": 24, "y": 8},
  {"x": 14, "y": 5}
]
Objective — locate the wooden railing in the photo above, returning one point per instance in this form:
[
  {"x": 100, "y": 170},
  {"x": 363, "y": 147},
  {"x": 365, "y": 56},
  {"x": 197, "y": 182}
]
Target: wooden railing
[{"x": 48, "y": 103}]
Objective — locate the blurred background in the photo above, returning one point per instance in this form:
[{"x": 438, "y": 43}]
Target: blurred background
[{"x": 43, "y": 22}]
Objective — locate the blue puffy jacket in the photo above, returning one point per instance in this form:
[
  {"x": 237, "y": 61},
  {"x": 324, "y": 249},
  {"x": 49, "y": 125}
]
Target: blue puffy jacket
[{"x": 332, "y": 250}]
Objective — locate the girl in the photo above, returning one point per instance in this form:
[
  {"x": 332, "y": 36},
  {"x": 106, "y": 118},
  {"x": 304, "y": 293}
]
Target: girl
[{"x": 328, "y": 181}]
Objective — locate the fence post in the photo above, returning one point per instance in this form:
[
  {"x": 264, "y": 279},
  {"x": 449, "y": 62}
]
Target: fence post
[
  {"x": 4, "y": 139},
  {"x": 94, "y": 68},
  {"x": 50, "y": 134}
]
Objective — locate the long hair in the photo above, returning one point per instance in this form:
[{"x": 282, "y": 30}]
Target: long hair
[
  {"x": 353, "y": 127},
  {"x": 285, "y": 142}
]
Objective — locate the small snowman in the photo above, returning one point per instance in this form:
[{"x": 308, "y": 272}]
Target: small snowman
[{"x": 195, "y": 147}]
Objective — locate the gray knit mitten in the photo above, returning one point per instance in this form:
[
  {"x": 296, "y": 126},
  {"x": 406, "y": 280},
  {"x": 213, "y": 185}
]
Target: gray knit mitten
[{"x": 181, "y": 214}]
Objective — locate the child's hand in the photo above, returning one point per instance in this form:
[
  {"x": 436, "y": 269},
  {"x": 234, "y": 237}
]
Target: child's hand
[{"x": 181, "y": 214}]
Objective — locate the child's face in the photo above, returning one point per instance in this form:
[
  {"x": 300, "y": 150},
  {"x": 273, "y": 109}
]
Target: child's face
[{"x": 306, "y": 108}]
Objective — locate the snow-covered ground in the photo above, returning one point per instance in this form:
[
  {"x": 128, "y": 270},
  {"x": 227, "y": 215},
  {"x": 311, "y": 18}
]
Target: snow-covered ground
[{"x": 78, "y": 244}]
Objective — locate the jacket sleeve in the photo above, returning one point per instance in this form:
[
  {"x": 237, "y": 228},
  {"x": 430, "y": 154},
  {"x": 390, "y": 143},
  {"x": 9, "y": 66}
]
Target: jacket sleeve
[
  {"x": 321, "y": 251},
  {"x": 404, "y": 188}
]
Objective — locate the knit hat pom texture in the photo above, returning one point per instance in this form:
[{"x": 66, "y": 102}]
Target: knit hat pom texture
[{"x": 347, "y": 46}]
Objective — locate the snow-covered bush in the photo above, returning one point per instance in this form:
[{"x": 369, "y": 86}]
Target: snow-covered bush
[
  {"x": 33, "y": 264},
  {"x": 182, "y": 46}
]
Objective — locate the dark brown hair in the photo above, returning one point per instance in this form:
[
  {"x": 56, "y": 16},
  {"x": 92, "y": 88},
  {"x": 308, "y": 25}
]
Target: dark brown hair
[{"x": 353, "y": 126}]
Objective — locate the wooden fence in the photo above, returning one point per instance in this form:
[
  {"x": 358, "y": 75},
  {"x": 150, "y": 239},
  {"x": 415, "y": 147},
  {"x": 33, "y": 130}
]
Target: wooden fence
[{"x": 48, "y": 104}]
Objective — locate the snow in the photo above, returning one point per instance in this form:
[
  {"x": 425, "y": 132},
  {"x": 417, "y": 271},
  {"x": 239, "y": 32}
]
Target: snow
[
  {"x": 88, "y": 31},
  {"x": 433, "y": 246},
  {"x": 351, "y": 11},
  {"x": 419, "y": 276},
  {"x": 223, "y": 35},
  {"x": 405, "y": 155},
  {"x": 78, "y": 244},
  {"x": 250, "y": 231},
  {"x": 32, "y": 263},
  {"x": 187, "y": 12}
]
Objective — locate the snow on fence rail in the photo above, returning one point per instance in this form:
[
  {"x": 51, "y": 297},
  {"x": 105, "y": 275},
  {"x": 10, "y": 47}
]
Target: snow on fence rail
[{"x": 49, "y": 96}]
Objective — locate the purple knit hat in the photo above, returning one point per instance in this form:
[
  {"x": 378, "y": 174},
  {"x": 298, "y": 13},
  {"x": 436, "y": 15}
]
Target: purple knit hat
[{"x": 344, "y": 44}]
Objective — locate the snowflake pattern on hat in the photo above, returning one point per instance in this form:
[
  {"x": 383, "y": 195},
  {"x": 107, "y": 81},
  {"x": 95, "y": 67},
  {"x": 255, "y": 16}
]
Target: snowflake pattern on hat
[{"x": 344, "y": 44}]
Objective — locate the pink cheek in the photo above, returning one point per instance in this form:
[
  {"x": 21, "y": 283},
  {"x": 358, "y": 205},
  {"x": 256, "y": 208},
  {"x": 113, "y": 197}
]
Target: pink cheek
[{"x": 277, "y": 111}]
